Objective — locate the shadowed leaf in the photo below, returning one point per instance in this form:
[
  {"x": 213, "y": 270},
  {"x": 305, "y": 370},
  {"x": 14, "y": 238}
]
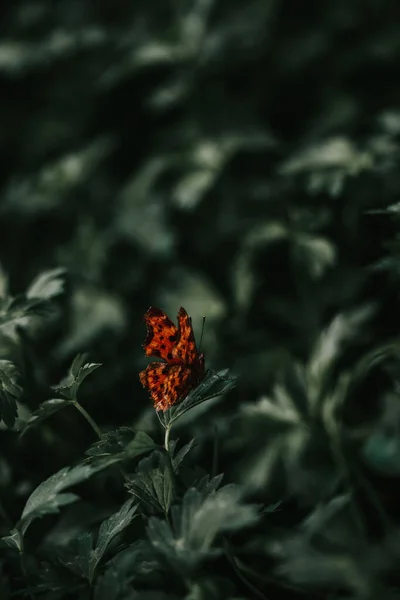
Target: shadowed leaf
[
  {"x": 79, "y": 370},
  {"x": 152, "y": 482},
  {"x": 45, "y": 410},
  {"x": 49, "y": 496},
  {"x": 121, "y": 444},
  {"x": 110, "y": 528},
  {"x": 10, "y": 391}
]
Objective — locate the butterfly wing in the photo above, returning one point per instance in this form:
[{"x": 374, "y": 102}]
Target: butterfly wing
[
  {"x": 185, "y": 350},
  {"x": 167, "y": 384},
  {"x": 162, "y": 334}
]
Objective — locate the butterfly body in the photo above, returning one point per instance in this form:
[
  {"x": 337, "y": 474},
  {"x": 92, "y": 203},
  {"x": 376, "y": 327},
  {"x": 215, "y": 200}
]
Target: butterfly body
[{"x": 182, "y": 369}]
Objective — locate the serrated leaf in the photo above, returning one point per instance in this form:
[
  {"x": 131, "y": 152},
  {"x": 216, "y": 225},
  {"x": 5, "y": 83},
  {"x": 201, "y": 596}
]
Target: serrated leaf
[
  {"x": 206, "y": 486},
  {"x": 121, "y": 444},
  {"x": 196, "y": 523},
  {"x": 45, "y": 410},
  {"x": 87, "y": 370},
  {"x": 47, "y": 285},
  {"x": 213, "y": 385},
  {"x": 79, "y": 370},
  {"x": 152, "y": 482},
  {"x": 107, "y": 532},
  {"x": 48, "y": 497},
  {"x": 10, "y": 391},
  {"x": 77, "y": 364},
  {"x": 178, "y": 458}
]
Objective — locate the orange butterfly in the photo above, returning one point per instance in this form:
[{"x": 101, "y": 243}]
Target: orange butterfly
[{"x": 170, "y": 382}]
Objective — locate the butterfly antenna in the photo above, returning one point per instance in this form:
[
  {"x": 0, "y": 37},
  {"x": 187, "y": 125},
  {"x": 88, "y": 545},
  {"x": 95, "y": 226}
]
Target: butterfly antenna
[{"x": 202, "y": 331}]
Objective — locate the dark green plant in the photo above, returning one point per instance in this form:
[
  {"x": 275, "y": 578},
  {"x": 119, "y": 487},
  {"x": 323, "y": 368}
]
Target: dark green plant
[{"x": 239, "y": 159}]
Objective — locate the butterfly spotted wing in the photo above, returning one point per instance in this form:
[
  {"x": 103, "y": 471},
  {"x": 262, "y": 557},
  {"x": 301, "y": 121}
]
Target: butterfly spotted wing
[{"x": 169, "y": 382}]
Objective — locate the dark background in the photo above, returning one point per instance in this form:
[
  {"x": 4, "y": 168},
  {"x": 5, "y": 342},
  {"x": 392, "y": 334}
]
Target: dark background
[{"x": 224, "y": 156}]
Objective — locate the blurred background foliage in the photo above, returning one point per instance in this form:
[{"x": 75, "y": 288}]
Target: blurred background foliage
[{"x": 237, "y": 159}]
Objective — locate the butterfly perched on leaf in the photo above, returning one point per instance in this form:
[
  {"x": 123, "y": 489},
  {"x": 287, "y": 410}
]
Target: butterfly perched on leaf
[{"x": 182, "y": 368}]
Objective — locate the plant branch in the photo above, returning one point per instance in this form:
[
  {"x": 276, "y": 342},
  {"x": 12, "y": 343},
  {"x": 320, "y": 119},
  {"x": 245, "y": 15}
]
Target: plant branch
[
  {"x": 166, "y": 439},
  {"x": 88, "y": 418}
]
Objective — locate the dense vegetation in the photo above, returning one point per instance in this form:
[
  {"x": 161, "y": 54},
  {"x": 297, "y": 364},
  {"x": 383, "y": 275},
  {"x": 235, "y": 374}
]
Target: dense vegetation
[{"x": 239, "y": 159}]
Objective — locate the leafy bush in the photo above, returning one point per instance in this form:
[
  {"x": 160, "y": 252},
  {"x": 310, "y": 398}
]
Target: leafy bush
[{"x": 239, "y": 160}]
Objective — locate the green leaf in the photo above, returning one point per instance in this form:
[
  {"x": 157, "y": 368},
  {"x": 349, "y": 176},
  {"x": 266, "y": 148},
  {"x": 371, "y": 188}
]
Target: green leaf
[
  {"x": 48, "y": 497},
  {"x": 47, "y": 285},
  {"x": 76, "y": 556},
  {"x": 138, "y": 559},
  {"x": 77, "y": 364},
  {"x": 196, "y": 524},
  {"x": 152, "y": 482},
  {"x": 13, "y": 540},
  {"x": 121, "y": 444},
  {"x": 36, "y": 300},
  {"x": 10, "y": 391},
  {"x": 45, "y": 410},
  {"x": 108, "y": 530},
  {"x": 179, "y": 457},
  {"x": 79, "y": 370},
  {"x": 342, "y": 330},
  {"x": 207, "y": 485},
  {"x": 213, "y": 385}
]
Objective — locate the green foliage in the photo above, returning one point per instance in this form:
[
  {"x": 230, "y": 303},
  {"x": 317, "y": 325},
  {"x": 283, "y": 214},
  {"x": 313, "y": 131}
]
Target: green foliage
[
  {"x": 178, "y": 457},
  {"x": 10, "y": 391},
  {"x": 152, "y": 482},
  {"x": 202, "y": 515},
  {"x": 79, "y": 370},
  {"x": 49, "y": 496},
  {"x": 44, "y": 288},
  {"x": 45, "y": 410},
  {"x": 83, "y": 557},
  {"x": 120, "y": 444},
  {"x": 110, "y": 528},
  {"x": 68, "y": 388},
  {"x": 212, "y": 386},
  {"x": 239, "y": 159}
]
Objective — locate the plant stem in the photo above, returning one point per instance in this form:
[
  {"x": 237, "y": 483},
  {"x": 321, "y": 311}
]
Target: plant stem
[
  {"x": 166, "y": 439},
  {"x": 88, "y": 418}
]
